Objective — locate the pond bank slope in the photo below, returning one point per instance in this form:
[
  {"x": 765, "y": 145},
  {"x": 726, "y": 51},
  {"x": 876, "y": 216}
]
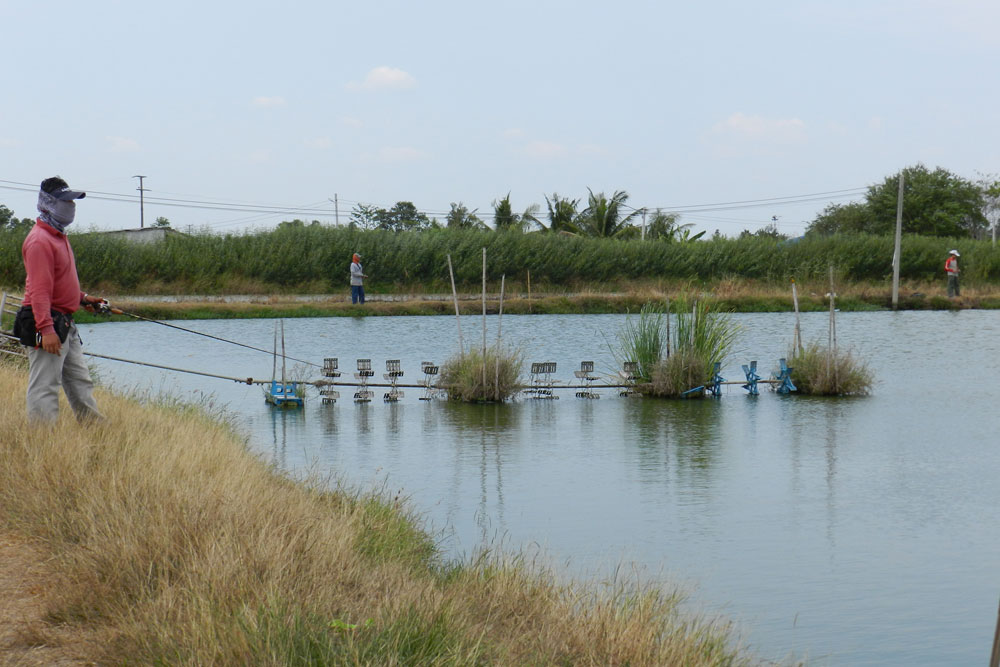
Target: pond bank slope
[{"x": 163, "y": 535}]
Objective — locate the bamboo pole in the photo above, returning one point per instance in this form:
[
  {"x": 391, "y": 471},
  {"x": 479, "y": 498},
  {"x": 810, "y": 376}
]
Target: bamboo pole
[
  {"x": 897, "y": 251},
  {"x": 283, "y": 390},
  {"x": 484, "y": 323},
  {"x": 274, "y": 358},
  {"x": 694, "y": 317},
  {"x": 668, "y": 327},
  {"x": 499, "y": 325},
  {"x": 832, "y": 336},
  {"x": 797, "y": 337},
  {"x": 454, "y": 296}
]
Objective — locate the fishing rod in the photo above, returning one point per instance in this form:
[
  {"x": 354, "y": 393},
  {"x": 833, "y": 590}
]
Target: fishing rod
[{"x": 105, "y": 308}]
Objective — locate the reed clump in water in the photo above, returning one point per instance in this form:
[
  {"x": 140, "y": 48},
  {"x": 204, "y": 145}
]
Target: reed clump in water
[
  {"x": 700, "y": 337},
  {"x": 176, "y": 545},
  {"x": 643, "y": 340},
  {"x": 817, "y": 371},
  {"x": 470, "y": 378}
]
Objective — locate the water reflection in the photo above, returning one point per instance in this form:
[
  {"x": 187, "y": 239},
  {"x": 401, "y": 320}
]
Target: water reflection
[
  {"x": 286, "y": 425},
  {"x": 329, "y": 419},
  {"x": 687, "y": 431}
]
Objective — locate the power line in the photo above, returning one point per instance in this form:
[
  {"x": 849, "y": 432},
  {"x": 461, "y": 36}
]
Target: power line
[{"x": 263, "y": 211}]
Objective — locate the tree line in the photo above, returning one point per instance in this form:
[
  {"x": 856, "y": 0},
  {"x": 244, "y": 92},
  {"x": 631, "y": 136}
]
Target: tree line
[
  {"x": 601, "y": 216},
  {"x": 935, "y": 203}
]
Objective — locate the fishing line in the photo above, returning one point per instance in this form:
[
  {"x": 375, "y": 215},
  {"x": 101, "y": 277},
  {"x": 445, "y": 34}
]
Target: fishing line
[
  {"x": 118, "y": 311},
  {"x": 249, "y": 380}
]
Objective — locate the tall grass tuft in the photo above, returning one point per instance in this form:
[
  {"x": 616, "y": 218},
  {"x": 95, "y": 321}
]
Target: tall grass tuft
[
  {"x": 643, "y": 341},
  {"x": 702, "y": 337},
  {"x": 818, "y": 372},
  {"x": 470, "y": 378}
]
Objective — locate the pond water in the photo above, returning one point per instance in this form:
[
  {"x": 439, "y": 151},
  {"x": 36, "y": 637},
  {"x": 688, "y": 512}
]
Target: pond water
[{"x": 844, "y": 531}]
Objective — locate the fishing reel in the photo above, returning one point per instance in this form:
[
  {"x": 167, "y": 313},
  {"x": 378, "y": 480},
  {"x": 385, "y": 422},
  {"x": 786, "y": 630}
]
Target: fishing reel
[{"x": 102, "y": 307}]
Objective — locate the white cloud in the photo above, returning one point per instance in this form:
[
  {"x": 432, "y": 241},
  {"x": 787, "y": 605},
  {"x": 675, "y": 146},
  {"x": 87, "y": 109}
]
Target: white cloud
[
  {"x": 760, "y": 129},
  {"x": 875, "y": 123},
  {"x": 351, "y": 121},
  {"x": 543, "y": 150},
  {"x": 122, "y": 145},
  {"x": 7, "y": 143},
  {"x": 513, "y": 133},
  {"x": 268, "y": 102},
  {"x": 385, "y": 78}
]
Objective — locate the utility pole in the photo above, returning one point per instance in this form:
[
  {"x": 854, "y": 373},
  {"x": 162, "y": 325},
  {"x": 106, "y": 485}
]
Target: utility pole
[
  {"x": 142, "y": 202},
  {"x": 896, "y": 255},
  {"x": 336, "y": 209}
]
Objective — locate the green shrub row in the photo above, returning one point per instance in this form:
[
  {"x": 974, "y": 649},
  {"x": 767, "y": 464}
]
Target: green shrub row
[{"x": 317, "y": 257}]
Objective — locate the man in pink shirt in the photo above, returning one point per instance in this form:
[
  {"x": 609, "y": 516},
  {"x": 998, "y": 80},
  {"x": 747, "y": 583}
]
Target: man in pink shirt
[{"x": 51, "y": 296}]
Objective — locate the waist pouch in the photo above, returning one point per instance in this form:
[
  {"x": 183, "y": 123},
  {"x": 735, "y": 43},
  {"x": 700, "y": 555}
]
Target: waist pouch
[{"x": 24, "y": 326}]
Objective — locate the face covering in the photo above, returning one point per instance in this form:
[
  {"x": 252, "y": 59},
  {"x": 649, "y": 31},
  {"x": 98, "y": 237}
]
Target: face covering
[{"x": 55, "y": 212}]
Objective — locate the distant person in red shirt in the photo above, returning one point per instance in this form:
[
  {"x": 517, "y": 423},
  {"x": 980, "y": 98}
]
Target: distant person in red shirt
[
  {"x": 951, "y": 269},
  {"x": 51, "y": 296}
]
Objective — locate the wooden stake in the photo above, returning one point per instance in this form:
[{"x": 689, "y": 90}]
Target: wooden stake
[
  {"x": 454, "y": 296},
  {"x": 529, "y": 290}
]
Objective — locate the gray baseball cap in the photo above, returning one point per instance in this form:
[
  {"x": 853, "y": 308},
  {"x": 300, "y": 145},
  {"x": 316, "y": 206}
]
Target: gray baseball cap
[{"x": 65, "y": 194}]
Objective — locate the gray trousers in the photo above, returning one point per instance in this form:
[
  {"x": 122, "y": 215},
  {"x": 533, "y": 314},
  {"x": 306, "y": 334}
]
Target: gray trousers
[
  {"x": 952, "y": 285},
  {"x": 47, "y": 372}
]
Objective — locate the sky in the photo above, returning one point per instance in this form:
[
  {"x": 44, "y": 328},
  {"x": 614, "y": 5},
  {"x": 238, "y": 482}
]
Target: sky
[{"x": 732, "y": 114}]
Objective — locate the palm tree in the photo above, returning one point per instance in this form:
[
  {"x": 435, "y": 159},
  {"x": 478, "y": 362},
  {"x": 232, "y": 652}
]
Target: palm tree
[
  {"x": 562, "y": 213},
  {"x": 460, "y": 217},
  {"x": 665, "y": 227},
  {"x": 603, "y": 217},
  {"x": 504, "y": 218}
]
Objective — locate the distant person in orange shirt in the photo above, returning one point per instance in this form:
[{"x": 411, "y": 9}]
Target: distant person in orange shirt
[
  {"x": 951, "y": 268},
  {"x": 357, "y": 280}
]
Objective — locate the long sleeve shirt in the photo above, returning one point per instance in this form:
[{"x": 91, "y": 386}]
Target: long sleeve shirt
[
  {"x": 356, "y": 274},
  {"x": 52, "y": 282}
]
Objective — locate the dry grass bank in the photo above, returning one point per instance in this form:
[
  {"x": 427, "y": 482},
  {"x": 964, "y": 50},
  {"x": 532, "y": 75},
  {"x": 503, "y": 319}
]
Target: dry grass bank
[{"x": 171, "y": 541}]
